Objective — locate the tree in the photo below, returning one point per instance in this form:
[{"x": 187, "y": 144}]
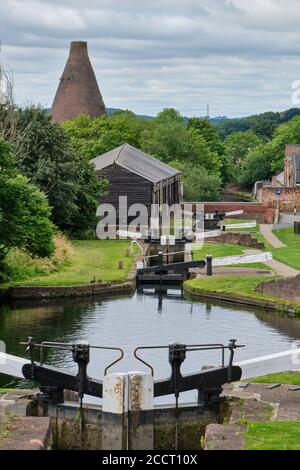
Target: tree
[
  {"x": 239, "y": 144},
  {"x": 24, "y": 211},
  {"x": 255, "y": 167},
  {"x": 69, "y": 180},
  {"x": 93, "y": 137},
  {"x": 208, "y": 131},
  {"x": 198, "y": 183},
  {"x": 288, "y": 133},
  {"x": 168, "y": 138}
]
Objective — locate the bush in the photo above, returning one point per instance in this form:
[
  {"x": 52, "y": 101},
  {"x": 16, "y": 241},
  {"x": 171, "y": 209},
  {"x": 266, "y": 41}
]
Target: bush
[{"x": 20, "y": 264}]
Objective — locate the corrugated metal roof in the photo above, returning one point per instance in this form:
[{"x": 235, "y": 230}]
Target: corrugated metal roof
[{"x": 137, "y": 162}]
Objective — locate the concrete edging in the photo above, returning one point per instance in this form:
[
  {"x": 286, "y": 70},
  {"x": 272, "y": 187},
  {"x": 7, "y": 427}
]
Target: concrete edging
[{"x": 52, "y": 292}]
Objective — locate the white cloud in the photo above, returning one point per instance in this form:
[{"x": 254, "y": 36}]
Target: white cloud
[{"x": 239, "y": 56}]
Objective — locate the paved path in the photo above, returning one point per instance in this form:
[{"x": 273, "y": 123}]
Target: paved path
[
  {"x": 282, "y": 269},
  {"x": 266, "y": 231}
]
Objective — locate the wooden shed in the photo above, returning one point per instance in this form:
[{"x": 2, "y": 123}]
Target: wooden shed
[{"x": 140, "y": 177}]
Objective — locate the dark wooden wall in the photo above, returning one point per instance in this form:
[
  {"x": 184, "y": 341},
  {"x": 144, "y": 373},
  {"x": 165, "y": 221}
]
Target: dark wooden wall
[{"x": 125, "y": 183}]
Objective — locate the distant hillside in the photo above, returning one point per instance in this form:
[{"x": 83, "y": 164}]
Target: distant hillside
[
  {"x": 263, "y": 124},
  {"x": 214, "y": 120}
]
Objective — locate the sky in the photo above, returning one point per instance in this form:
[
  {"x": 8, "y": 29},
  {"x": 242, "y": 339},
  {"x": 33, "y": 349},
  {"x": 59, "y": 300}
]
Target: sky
[{"x": 239, "y": 56}]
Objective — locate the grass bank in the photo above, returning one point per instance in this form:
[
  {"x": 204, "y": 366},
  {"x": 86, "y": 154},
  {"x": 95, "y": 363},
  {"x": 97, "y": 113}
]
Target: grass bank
[
  {"x": 276, "y": 435},
  {"x": 216, "y": 250},
  {"x": 239, "y": 289},
  {"x": 291, "y": 254},
  {"x": 92, "y": 261},
  {"x": 289, "y": 378}
]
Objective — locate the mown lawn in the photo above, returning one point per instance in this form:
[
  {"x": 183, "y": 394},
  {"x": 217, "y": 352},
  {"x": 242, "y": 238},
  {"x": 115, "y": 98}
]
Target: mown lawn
[
  {"x": 234, "y": 286},
  {"x": 276, "y": 435},
  {"x": 291, "y": 254},
  {"x": 92, "y": 260},
  {"x": 290, "y": 378},
  {"x": 216, "y": 250}
]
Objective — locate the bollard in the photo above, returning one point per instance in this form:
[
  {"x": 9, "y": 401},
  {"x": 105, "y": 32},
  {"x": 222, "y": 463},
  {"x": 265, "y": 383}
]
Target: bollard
[
  {"x": 120, "y": 265},
  {"x": 209, "y": 265},
  {"x": 114, "y": 412},
  {"x": 140, "y": 412},
  {"x": 127, "y": 253}
]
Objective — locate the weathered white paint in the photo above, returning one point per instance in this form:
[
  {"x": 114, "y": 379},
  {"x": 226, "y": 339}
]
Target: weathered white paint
[
  {"x": 271, "y": 364},
  {"x": 140, "y": 391},
  {"x": 12, "y": 365},
  {"x": 167, "y": 239},
  {"x": 115, "y": 393},
  {"x": 210, "y": 234},
  {"x": 135, "y": 242},
  {"x": 133, "y": 235},
  {"x": 244, "y": 225},
  {"x": 234, "y": 213},
  {"x": 243, "y": 259}
]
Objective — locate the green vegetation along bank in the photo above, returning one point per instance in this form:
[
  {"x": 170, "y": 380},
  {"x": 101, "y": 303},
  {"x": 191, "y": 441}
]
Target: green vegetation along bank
[
  {"x": 92, "y": 261},
  {"x": 239, "y": 290}
]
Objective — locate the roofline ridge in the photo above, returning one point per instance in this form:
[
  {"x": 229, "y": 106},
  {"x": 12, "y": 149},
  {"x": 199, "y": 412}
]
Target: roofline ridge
[{"x": 119, "y": 152}]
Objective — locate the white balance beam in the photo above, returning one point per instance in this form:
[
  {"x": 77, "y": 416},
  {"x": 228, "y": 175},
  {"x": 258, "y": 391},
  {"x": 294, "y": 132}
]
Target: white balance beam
[
  {"x": 271, "y": 364},
  {"x": 243, "y": 259},
  {"x": 243, "y": 225},
  {"x": 12, "y": 365}
]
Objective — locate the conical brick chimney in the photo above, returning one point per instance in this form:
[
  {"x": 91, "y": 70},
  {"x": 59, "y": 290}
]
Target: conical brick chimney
[{"x": 78, "y": 91}]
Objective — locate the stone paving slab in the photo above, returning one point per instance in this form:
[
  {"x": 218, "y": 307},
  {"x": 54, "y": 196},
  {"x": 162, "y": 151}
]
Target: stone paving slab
[
  {"x": 288, "y": 401},
  {"x": 251, "y": 410},
  {"x": 225, "y": 437},
  {"x": 28, "y": 433}
]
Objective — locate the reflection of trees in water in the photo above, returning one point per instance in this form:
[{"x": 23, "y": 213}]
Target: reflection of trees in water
[
  {"x": 288, "y": 326},
  {"x": 48, "y": 323}
]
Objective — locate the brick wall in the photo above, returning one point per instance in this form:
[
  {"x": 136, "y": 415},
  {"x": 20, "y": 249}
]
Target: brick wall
[
  {"x": 288, "y": 199},
  {"x": 285, "y": 288},
  {"x": 238, "y": 238}
]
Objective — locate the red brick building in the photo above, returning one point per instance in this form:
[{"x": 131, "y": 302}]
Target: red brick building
[{"x": 283, "y": 191}]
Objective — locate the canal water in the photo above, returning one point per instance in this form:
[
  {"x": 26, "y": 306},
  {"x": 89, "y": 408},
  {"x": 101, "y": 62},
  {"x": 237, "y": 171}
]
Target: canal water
[{"x": 147, "y": 318}]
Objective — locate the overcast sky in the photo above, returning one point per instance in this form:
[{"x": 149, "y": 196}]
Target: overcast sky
[{"x": 240, "y": 56}]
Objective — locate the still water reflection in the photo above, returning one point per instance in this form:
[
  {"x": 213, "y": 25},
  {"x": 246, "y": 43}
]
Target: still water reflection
[{"x": 146, "y": 318}]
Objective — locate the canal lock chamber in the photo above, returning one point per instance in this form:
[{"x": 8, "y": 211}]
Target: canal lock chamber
[{"x": 163, "y": 428}]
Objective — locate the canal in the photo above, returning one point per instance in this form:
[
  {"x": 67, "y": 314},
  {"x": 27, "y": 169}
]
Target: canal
[{"x": 147, "y": 318}]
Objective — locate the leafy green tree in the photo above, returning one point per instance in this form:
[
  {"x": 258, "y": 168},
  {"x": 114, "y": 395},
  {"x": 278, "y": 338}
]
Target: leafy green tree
[
  {"x": 198, "y": 183},
  {"x": 288, "y": 133},
  {"x": 208, "y": 131},
  {"x": 239, "y": 144},
  {"x": 93, "y": 137},
  {"x": 255, "y": 167},
  {"x": 24, "y": 211},
  {"x": 168, "y": 138},
  {"x": 68, "y": 179},
  {"x": 168, "y": 115}
]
